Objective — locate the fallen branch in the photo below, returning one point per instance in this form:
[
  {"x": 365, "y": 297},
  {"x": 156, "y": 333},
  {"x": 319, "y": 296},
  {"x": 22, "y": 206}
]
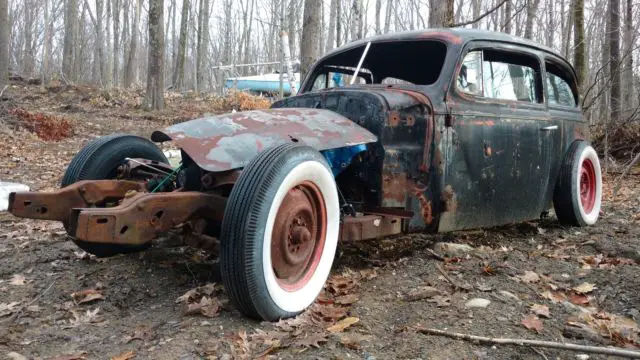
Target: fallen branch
[
  {"x": 435, "y": 254},
  {"x": 466, "y": 287},
  {"x": 3, "y": 89},
  {"x": 624, "y": 173},
  {"x": 631, "y": 354}
]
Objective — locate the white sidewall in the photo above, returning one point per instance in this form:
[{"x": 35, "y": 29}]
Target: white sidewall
[
  {"x": 592, "y": 217},
  {"x": 296, "y": 301}
]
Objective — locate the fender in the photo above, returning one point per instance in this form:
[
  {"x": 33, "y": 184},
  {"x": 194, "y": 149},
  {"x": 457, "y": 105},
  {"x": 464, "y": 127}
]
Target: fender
[{"x": 230, "y": 141}]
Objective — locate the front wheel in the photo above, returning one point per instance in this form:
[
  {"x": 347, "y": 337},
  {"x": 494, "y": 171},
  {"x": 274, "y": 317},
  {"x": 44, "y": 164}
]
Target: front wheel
[
  {"x": 280, "y": 232},
  {"x": 578, "y": 193}
]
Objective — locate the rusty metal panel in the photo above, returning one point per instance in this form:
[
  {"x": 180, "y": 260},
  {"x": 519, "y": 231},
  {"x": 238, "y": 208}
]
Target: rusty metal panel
[
  {"x": 230, "y": 141},
  {"x": 144, "y": 216},
  {"x": 369, "y": 227},
  {"x": 57, "y": 205}
]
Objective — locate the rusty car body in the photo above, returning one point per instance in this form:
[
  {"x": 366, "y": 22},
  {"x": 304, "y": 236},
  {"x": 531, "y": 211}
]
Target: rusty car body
[{"x": 425, "y": 138}]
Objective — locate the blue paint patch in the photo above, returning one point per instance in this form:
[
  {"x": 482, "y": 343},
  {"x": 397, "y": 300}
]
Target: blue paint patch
[{"x": 340, "y": 158}]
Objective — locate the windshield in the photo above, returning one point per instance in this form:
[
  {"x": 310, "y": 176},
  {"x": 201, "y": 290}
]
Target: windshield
[{"x": 398, "y": 62}]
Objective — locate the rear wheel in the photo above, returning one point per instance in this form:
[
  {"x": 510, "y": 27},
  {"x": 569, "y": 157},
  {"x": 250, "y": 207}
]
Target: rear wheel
[
  {"x": 280, "y": 232},
  {"x": 99, "y": 160},
  {"x": 577, "y": 198}
]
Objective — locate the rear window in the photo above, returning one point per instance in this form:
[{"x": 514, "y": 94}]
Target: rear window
[{"x": 559, "y": 87}]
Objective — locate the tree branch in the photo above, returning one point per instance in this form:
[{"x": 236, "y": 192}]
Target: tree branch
[
  {"x": 538, "y": 343},
  {"x": 481, "y": 16}
]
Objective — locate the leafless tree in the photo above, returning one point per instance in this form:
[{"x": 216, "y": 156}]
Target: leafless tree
[{"x": 154, "y": 98}]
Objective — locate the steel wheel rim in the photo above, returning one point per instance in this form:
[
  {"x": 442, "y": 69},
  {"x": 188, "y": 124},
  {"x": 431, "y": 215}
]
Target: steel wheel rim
[
  {"x": 298, "y": 236},
  {"x": 587, "y": 186}
]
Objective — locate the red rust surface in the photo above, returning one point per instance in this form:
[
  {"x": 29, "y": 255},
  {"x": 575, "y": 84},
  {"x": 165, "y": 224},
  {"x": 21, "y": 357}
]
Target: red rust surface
[
  {"x": 57, "y": 205},
  {"x": 142, "y": 217},
  {"x": 298, "y": 236}
]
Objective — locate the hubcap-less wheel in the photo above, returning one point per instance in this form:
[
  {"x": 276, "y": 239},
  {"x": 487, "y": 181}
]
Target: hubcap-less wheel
[
  {"x": 587, "y": 186},
  {"x": 298, "y": 236},
  {"x": 280, "y": 232},
  {"x": 577, "y": 197}
]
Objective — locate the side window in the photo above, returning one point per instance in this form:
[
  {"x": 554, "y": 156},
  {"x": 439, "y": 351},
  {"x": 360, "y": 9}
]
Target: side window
[
  {"x": 470, "y": 75},
  {"x": 500, "y": 75},
  {"x": 560, "y": 92}
]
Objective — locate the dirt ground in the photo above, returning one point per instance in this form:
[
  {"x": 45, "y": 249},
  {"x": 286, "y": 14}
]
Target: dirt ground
[{"x": 541, "y": 280}]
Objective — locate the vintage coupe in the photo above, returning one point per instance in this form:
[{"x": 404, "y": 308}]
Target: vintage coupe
[{"x": 435, "y": 130}]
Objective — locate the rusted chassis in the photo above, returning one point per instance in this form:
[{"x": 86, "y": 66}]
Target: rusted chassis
[{"x": 122, "y": 212}]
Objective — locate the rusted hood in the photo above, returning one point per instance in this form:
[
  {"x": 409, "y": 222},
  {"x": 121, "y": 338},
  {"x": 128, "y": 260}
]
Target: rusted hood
[{"x": 230, "y": 141}]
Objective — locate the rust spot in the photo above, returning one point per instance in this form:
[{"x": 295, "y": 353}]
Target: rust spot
[
  {"x": 411, "y": 120},
  {"x": 394, "y": 189},
  {"x": 487, "y": 150},
  {"x": 394, "y": 119},
  {"x": 425, "y": 207},
  {"x": 449, "y": 199}
]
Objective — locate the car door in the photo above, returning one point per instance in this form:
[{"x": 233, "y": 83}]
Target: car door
[{"x": 496, "y": 166}]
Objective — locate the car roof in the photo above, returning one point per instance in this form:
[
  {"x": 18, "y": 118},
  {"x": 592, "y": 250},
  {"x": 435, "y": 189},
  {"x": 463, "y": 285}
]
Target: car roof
[{"x": 450, "y": 35}]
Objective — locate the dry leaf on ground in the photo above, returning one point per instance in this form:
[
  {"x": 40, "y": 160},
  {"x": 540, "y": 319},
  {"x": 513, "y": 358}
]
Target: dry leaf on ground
[
  {"x": 7, "y": 309},
  {"x": 421, "y": 293},
  {"x": 529, "y": 277},
  {"x": 579, "y": 299},
  {"x": 353, "y": 340},
  {"x": 76, "y": 356},
  {"x": 347, "y": 299},
  {"x": 18, "y": 280},
  {"x": 532, "y": 322},
  {"x": 584, "y": 288},
  {"x": 540, "y": 310},
  {"x": 86, "y": 296},
  {"x": 312, "y": 340},
  {"x": 125, "y": 356},
  {"x": 209, "y": 307},
  {"x": 342, "y": 324}
]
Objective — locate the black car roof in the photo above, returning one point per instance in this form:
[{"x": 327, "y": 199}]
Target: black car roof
[{"x": 450, "y": 35}]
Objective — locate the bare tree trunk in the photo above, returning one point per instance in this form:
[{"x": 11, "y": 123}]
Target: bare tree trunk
[
  {"x": 440, "y": 13},
  {"x": 614, "y": 57},
  {"x": 107, "y": 45},
  {"x": 309, "y": 51},
  {"x": 378, "y": 10},
  {"x": 550, "y": 22},
  {"x": 100, "y": 40},
  {"x": 154, "y": 97},
  {"x": 203, "y": 29},
  {"x": 339, "y": 22},
  {"x": 387, "y": 17},
  {"x": 356, "y": 23},
  {"x": 70, "y": 26},
  {"x": 133, "y": 48},
  {"x": 178, "y": 72},
  {"x": 477, "y": 4},
  {"x": 116, "y": 41},
  {"x": 333, "y": 15},
  {"x": 125, "y": 33},
  {"x": 4, "y": 42},
  {"x": 46, "y": 52},
  {"x": 28, "y": 62},
  {"x": 507, "y": 17},
  {"x": 578, "y": 41},
  {"x": 532, "y": 9},
  {"x": 629, "y": 42}
]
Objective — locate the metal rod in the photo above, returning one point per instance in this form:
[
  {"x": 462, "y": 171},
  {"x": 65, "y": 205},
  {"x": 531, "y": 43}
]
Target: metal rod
[
  {"x": 147, "y": 165},
  {"x": 364, "y": 54}
]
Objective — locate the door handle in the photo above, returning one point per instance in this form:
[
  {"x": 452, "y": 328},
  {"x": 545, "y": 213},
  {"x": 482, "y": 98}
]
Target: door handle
[{"x": 549, "y": 128}]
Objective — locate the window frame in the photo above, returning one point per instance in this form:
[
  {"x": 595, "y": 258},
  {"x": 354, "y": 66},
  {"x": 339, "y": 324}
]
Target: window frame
[{"x": 509, "y": 48}]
